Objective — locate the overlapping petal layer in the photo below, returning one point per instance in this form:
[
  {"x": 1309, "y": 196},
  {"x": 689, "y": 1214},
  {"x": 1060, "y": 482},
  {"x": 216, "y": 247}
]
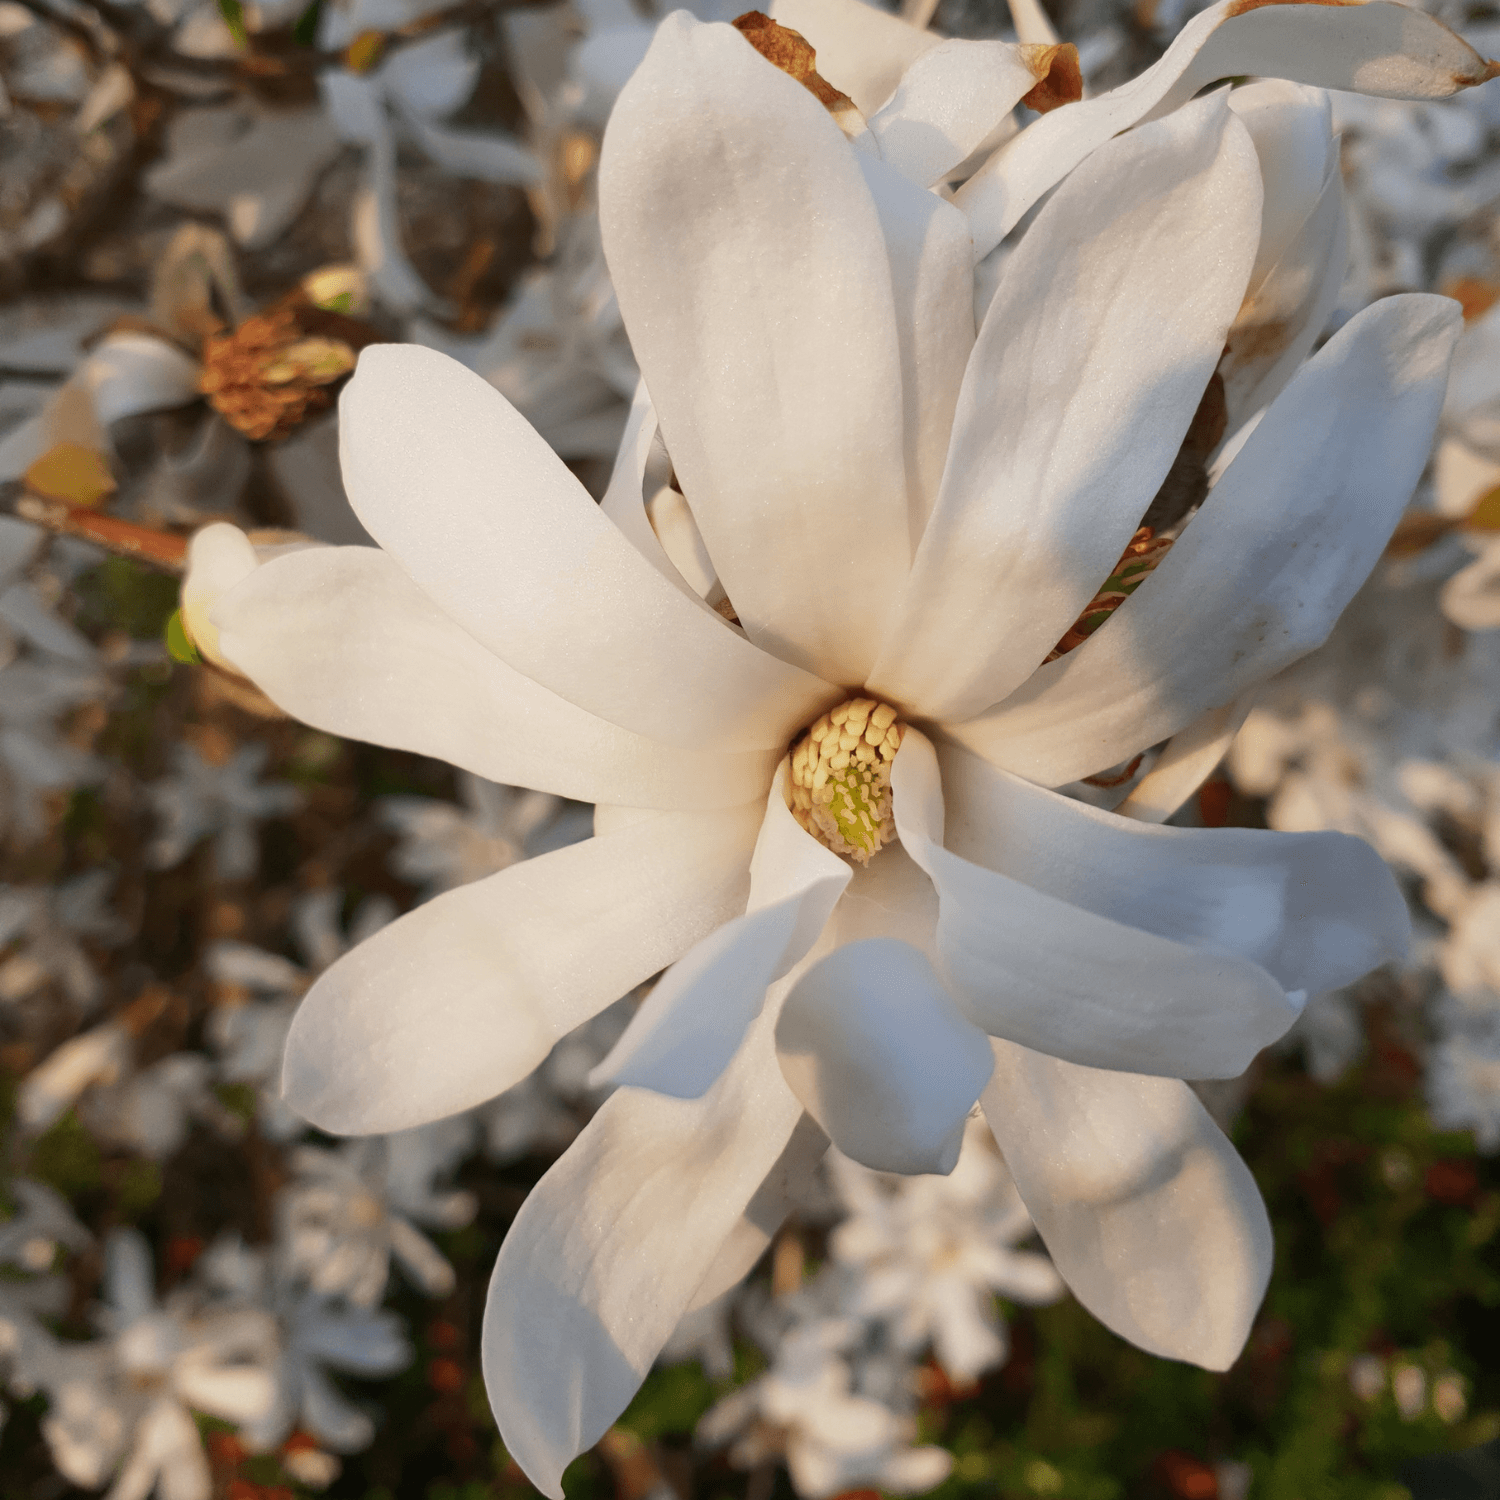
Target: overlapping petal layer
[
  {"x": 776, "y": 377},
  {"x": 464, "y": 996},
  {"x": 1263, "y": 570},
  {"x": 484, "y": 517},
  {"x": 1371, "y": 46},
  {"x": 1148, "y": 1212},
  {"x": 881, "y": 1056},
  {"x": 1051, "y": 975},
  {"x": 342, "y": 639},
  {"x": 683, "y": 1036},
  {"x": 1094, "y": 353},
  {"x": 1315, "y": 910},
  {"x": 611, "y": 1246}
]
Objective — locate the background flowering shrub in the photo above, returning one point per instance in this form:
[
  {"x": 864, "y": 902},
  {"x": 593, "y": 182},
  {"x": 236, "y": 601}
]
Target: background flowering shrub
[{"x": 206, "y": 213}]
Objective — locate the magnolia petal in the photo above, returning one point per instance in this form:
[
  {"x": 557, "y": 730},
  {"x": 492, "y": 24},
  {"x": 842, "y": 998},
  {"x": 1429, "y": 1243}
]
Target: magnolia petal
[
  {"x": 682, "y": 1037},
  {"x": 1043, "y": 971},
  {"x": 1300, "y": 264},
  {"x": 1284, "y": 315},
  {"x": 1315, "y": 910},
  {"x": 766, "y": 330},
  {"x": 458, "y": 1000},
  {"x": 460, "y": 489},
  {"x": 1189, "y": 758},
  {"x": 1263, "y": 570},
  {"x": 862, "y": 51},
  {"x": 1147, "y": 1211},
  {"x": 948, "y": 103},
  {"x": 342, "y": 639},
  {"x": 785, "y": 1186},
  {"x": 1377, "y": 47},
  {"x": 611, "y": 1246},
  {"x": 1093, "y": 357},
  {"x": 218, "y": 557},
  {"x": 932, "y": 276},
  {"x": 882, "y": 1058},
  {"x": 624, "y": 499},
  {"x": 129, "y": 373},
  {"x": 1292, "y": 128}
]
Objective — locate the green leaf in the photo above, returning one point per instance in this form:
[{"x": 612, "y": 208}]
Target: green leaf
[
  {"x": 179, "y": 647},
  {"x": 305, "y": 32},
  {"x": 234, "y": 18}
]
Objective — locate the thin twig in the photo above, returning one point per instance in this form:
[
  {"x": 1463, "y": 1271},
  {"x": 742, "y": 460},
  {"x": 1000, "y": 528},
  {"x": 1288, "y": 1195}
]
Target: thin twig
[{"x": 164, "y": 550}]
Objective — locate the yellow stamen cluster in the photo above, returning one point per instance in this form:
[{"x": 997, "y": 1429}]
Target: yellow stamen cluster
[{"x": 841, "y": 778}]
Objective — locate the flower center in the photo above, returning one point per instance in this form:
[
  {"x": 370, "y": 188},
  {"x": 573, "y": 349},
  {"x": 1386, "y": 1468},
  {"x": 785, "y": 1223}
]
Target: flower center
[{"x": 841, "y": 777}]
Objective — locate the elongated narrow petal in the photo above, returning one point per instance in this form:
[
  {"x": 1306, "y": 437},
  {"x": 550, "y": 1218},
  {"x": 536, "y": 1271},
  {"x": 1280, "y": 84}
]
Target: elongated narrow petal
[
  {"x": 1300, "y": 264},
  {"x": 1148, "y": 1213},
  {"x": 881, "y": 1056},
  {"x": 683, "y": 1036},
  {"x": 461, "y": 998},
  {"x": 932, "y": 278},
  {"x": 484, "y": 517},
  {"x": 1187, "y": 760},
  {"x": 766, "y": 330},
  {"x": 1093, "y": 357},
  {"x": 861, "y": 50},
  {"x": 1047, "y": 973},
  {"x": 343, "y": 640},
  {"x": 1376, "y": 47},
  {"x": 1315, "y": 910},
  {"x": 949, "y": 101},
  {"x": 610, "y": 1247},
  {"x": 1263, "y": 570}
]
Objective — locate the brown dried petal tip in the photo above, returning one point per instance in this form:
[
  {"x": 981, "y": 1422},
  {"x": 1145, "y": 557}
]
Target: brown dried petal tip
[
  {"x": 792, "y": 52},
  {"x": 1058, "y": 74}
]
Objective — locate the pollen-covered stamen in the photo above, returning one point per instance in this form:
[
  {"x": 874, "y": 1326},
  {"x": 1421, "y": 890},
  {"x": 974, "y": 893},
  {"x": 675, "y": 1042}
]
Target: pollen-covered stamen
[{"x": 840, "y": 789}]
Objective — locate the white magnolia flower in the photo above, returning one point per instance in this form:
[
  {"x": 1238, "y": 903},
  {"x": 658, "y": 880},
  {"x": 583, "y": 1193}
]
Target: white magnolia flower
[
  {"x": 1463, "y": 1067},
  {"x": 316, "y": 1336},
  {"x": 805, "y": 1411},
  {"x": 441, "y": 846},
  {"x": 1468, "y": 471},
  {"x": 932, "y": 1253},
  {"x": 200, "y": 800},
  {"x": 125, "y": 1402},
  {"x": 899, "y": 519},
  {"x": 41, "y": 926},
  {"x": 347, "y": 1213},
  {"x": 39, "y": 1222},
  {"x": 35, "y": 693}
]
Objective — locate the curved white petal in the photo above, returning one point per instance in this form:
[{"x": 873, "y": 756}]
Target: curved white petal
[
  {"x": 1148, "y": 1212},
  {"x": 342, "y": 639},
  {"x": 1188, "y": 759},
  {"x": 766, "y": 330},
  {"x": 1315, "y": 910},
  {"x": 1292, "y": 128},
  {"x": 1093, "y": 357},
  {"x": 862, "y": 51},
  {"x": 1042, "y": 971},
  {"x": 785, "y": 1186},
  {"x": 461, "y": 998},
  {"x": 485, "y": 518},
  {"x": 127, "y": 373},
  {"x": 683, "y": 1036},
  {"x": 1261, "y": 573},
  {"x": 932, "y": 278},
  {"x": 948, "y": 103},
  {"x": 1377, "y": 47},
  {"x": 611, "y": 1246},
  {"x": 881, "y": 1056}
]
